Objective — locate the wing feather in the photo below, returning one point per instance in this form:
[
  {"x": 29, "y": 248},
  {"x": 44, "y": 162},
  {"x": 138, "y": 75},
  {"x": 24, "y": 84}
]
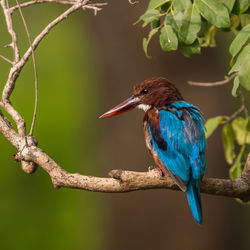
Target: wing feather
[{"x": 181, "y": 127}]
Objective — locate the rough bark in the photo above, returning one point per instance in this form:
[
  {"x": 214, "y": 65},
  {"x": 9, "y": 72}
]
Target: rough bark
[{"x": 120, "y": 180}]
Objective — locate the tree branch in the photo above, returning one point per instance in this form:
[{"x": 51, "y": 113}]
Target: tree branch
[
  {"x": 35, "y": 69},
  {"x": 15, "y": 70},
  {"x": 19, "y": 63},
  {"x": 121, "y": 180},
  {"x": 6, "y": 59},
  {"x": 212, "y": 84},
  {"x": 26, "y": 4},
  {"x": 8, "y": 19}
]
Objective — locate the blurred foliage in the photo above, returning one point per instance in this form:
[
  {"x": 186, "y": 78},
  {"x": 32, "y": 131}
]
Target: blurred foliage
[
  {"x": 33, "y": 214},
  {"x": 187, "y": 26}
]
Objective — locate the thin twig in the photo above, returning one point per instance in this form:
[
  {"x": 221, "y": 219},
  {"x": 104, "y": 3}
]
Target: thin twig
[
  {"x": 7, "y": 14},
  {"x": 212, "y": 84},
  {"x": 15, "y": 71},
  {"x": 12, "y": 9},
  {"x": 47, "y": 29},
  {"x": 9, "y": 86},
  {"x": 6, "y": 59},
  {"x": 28, "y": 167},
  {"x": 95, "y": 7},
  {"x": 243, "y": 106},
  {"x": 35, "y": 69}
]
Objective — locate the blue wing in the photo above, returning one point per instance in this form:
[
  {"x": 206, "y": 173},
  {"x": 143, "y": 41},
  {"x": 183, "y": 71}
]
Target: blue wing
[
  {"x": 180, "y": 143},
  {"x": 181, "y": 126}
]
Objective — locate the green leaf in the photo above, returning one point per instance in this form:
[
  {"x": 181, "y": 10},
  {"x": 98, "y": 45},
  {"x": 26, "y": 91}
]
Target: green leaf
[
  {"x": 245, "y": 203},
  {"x": 168, "y": 38},
  {"x": 236, "y": 86},
  {"x": 166, "y": 6},
  {"x": 208, "y": 39},
  {"x": 229, "y": 4},
  {"x": 248, "y": 124},
  {"x": 235, "y": 170},
  {"x": 204, "y": 27},
  {"x": 241, "y": 130},
  {"x": 191, "y": 25},
  {"x": 212, "y": 124},
  {"x": 174, "y": 19},
  {"x": 236, "y": 25},
  {"x": 190, "y": 50},
  {"x": 241, "y": 6},
  {"x": 181, "y": 5},
  {"x": 215, "y": 12},
  {"x": 156, "y": 23},
  {"x": 243, "y": 57},
  {"x": 149, "y": 16},
  {"x": 153, "y": 4},
  {"x": 244, "y": 75},
  {"x": 146, "y": 41},
  {"x": 240, "y": 40},
  {"x": 228, "y": 139},
  {"x": 244, "y": 19}
]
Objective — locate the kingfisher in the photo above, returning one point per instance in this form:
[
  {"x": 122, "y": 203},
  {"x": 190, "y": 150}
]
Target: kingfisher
[{"x": 174, "y": 135}]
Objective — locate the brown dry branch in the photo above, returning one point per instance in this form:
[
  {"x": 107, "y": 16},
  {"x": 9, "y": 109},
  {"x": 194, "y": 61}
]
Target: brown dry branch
[
  {"x": 26, "y": 4},
  {"x": 242, "y": 108},
  {"x": 213, "y": 84},
  {"x": 120, "y": 180},
  {"x": 6, "y": 59},
  {"x": 35, "y": 68}
]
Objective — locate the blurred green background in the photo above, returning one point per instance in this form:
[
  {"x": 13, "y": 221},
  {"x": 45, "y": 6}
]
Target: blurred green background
[
  {"x": 85, "y": 66},
  {"x": 33, "y": 214}
]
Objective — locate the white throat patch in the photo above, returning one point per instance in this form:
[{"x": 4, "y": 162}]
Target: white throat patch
[{"x": 144, "y": 107}]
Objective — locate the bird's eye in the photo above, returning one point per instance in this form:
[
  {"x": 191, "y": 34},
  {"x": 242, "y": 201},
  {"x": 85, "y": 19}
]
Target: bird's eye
[{"x": 144, "y": 91}]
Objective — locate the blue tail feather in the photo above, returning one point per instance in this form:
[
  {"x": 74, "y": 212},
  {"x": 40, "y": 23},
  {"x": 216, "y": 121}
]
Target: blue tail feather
[{"x": 194, "y": 199}]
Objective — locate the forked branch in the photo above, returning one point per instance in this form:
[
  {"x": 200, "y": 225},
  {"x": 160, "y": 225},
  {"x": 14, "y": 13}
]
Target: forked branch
[{"x": 18, "y": 63}]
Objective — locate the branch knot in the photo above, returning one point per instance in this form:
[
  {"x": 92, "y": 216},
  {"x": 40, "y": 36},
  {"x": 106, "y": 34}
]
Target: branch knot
[{"x": 31, "y": 141}]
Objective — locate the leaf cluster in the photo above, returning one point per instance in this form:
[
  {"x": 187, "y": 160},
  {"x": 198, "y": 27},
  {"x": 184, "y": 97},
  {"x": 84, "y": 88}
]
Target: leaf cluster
[
  {"x": 235, "y": 134},
  {"x": 188, "y": 25}
]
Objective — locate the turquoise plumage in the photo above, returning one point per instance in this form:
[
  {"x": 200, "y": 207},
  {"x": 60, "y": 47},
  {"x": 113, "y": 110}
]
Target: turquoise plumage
[{"x": 182, "y": 128}]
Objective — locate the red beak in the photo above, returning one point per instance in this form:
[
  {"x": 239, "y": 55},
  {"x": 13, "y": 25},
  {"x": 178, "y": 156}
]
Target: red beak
[{"x": 126, "y": 105}]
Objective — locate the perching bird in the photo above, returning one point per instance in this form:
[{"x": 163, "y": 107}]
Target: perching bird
[{"x": 174, "y": 135}]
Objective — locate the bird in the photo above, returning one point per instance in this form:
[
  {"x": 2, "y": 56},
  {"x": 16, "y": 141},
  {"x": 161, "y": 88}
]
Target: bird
[{"x": 174, "y": 135}]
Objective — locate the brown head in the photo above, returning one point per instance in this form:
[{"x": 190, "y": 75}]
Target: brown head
[{"x": 155, "y": 92}]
